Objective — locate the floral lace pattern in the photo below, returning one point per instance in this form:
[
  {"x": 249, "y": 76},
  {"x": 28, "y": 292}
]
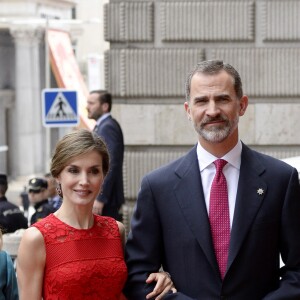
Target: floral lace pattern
[{"x": 82, "y": 264}]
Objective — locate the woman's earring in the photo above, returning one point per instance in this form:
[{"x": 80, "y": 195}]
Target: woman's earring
[{"x": 58, "y": 190}]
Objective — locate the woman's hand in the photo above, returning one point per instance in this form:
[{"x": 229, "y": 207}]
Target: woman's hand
[{"x": 164, "y": 284}]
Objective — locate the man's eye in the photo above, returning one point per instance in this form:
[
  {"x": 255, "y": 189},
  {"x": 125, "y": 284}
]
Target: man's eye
[
  {"x": 224, "y": 99},
  {"x": 201, "y": 103}
]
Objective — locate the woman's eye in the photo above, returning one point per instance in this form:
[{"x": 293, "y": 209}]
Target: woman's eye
[
  {"x": 73, "y": 171},
  {"x": 95, "y": 171}
]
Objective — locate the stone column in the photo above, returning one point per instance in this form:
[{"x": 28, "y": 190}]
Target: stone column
[
  {"x": 27, "y": 139},
  {"x": 6, "y": 102}
]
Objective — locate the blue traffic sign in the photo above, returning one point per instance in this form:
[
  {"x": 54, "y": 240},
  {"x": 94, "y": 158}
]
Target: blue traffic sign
[{"x": 60, "y": 108}]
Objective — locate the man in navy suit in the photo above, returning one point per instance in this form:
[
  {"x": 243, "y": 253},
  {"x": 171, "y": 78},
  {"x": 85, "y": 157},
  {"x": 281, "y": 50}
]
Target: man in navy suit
[
  {"x": 111, "y": 197},
  {"x": 171, "y": 223}
]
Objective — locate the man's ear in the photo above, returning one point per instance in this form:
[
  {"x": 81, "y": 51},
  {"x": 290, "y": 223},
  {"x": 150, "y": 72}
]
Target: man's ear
[
  {"x": 105, "y": 107},
  {"x": 243, "y": 105},
  {"x": 187, "y": 109}
]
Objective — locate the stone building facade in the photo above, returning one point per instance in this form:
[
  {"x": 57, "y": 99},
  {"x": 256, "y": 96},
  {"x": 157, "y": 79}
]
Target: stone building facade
[
  {"x": 22, "y": 78},
  {"x": 154, "y": 44}
]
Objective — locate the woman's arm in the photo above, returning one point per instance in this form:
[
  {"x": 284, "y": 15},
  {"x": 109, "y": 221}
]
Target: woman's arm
[
  {"x": 30, "y": 265},
  {"x": 164, "y": 284},
  {"x": 122, "y": 233}
]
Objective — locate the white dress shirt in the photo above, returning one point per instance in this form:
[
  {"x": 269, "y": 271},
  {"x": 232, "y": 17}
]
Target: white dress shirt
[
  {"x": 231, "y": 171},
  {"x": 103, "y": 117}
]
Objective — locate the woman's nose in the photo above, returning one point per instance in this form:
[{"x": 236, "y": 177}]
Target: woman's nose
[{"x": 84, "y": 179}]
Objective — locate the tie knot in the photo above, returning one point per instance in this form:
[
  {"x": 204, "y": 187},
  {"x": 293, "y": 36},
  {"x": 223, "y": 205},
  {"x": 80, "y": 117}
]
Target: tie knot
[{"x": 220, "y": 163}]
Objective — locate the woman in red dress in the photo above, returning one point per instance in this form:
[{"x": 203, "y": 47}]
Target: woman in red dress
[{"x": 72, "y": 253}]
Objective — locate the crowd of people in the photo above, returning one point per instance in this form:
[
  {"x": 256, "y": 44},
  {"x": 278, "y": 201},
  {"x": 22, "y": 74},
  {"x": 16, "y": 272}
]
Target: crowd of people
[{"x": 212, "y": 224}]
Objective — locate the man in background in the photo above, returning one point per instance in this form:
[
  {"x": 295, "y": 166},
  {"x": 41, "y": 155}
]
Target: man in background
[
  {"x": 38, "y": 197},
  {"x": 111, "y": 198},
  {"x": 11, "y": 217},
  {"x": 53, "y": 198},
  {"x": 25, "y": 201}
]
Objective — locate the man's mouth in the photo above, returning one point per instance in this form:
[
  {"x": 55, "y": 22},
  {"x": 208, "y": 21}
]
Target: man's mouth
[{"x": 213, "y": 122}]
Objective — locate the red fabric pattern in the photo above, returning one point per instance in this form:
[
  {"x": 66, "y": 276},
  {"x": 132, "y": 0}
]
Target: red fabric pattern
[
  {"x": 219, "y": 216},
  {"x": 82, "y": 264}
]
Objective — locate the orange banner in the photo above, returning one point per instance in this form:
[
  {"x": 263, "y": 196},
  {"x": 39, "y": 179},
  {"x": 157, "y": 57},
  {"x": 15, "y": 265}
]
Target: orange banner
[{"x": 66, "y": 71}]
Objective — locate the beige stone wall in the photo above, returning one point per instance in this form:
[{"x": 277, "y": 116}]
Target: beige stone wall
[{"x": 154, "y": 44}]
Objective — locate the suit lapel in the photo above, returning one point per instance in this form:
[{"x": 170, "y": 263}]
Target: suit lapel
[
  {"x": 249, "y": 199},
  {"x": 189, "y": 194},
  {"x": 103, "y": 122},
  {"x": 250, "y": 195}
]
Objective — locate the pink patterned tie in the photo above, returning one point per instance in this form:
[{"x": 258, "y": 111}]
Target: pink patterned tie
[{"x": 219, "y": 216}]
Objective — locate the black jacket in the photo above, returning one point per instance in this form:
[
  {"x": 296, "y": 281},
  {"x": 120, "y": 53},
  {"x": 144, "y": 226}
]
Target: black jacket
[
  {"x": 42, "y": 210},
  {"x": 11, "y": 217}
]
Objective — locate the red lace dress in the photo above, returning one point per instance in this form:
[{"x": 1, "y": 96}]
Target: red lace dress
[{"x": 82, "y": 263}]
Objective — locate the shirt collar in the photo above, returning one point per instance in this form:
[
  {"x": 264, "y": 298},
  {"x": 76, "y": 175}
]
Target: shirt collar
[
  {"x": 233, "y": 157},
  {"x": 3, "y": 198},
  {"x": 103, "y": 117}
]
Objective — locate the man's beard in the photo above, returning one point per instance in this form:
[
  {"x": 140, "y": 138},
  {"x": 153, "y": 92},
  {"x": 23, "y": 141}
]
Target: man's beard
[
  {"x": 216, "y": 133},
  {"x": 95, "y": 115}
]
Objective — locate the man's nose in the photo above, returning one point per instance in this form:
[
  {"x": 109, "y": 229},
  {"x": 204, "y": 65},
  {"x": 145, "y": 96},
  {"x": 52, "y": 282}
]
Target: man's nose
[{"x": 212, "y": 108}]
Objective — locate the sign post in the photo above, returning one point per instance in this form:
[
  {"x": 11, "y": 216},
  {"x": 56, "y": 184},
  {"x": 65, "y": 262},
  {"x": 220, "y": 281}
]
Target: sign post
[{"x": 60, "y": 108}]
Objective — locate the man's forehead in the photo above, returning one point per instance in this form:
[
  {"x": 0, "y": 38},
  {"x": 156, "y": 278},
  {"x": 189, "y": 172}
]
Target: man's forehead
[
  {"x": 212, "y": 80},
  {"x": 222, "y": 76}
]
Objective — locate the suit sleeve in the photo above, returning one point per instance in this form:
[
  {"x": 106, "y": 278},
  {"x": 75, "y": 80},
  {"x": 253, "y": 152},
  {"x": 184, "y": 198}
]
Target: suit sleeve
[
  {"x": 289, "y": 287},
  {"x": 144, "y": 247},
  {"x": 114, "y": 141}
]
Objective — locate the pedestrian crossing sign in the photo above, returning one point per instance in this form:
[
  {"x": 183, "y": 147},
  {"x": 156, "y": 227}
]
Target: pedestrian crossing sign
[{"x": 60, "y": 108}]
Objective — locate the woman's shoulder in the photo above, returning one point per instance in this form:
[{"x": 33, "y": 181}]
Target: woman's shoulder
[
  {"x": 108, "y": 224},
  {"x": 32, "y": 236},
  {"x": 121, "y": 227},
  {"x": 105, "y": 219},
  {"x": 46, "y": 220},
  {"x": 32, "y": 241}
]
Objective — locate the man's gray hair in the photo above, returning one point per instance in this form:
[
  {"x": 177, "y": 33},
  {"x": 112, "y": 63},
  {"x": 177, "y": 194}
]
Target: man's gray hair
[{"x": 210, "y": 67}]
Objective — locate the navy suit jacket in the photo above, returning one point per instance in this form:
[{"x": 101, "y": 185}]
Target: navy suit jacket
[
  {"x": 112, "y": 193},
  {"x": 170, "y": 227}
]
